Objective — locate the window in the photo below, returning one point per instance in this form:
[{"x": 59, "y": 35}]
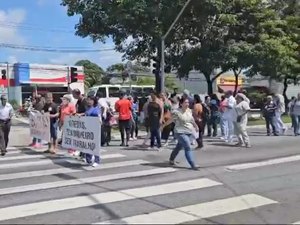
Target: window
[
  {"x": 101, "y": 93},
  {"x": 113, "y": 92}
]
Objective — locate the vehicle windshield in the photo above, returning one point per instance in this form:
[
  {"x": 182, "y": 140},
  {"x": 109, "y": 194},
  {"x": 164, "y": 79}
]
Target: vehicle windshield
[{"x": 114, "y": 92}]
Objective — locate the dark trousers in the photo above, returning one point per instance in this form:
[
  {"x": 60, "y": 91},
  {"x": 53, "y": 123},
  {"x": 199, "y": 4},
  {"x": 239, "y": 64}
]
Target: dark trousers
[
  {"x": 155, "y": 134},
  {"x": 212, "y": 124},
  {"x": 270, "y": 122},
  {"x": 4, "y": 134},
  {"x": 166, "y": 132},
  {"x": 200, "y": 138},
  {"x": 124, "y": 127}
]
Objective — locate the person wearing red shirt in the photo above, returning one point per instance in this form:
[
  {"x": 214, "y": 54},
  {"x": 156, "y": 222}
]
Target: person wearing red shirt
[{"x": 123, "y": 107}]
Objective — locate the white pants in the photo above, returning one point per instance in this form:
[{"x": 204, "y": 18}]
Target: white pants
[
  {"x": 241, "y": 132},
  {"x": 230, "y": 130},
  {"x": 278, "y": 122}
]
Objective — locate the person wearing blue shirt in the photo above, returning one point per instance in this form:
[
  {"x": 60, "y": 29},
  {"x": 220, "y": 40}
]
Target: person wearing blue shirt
[{"x": 94, "y": 111}]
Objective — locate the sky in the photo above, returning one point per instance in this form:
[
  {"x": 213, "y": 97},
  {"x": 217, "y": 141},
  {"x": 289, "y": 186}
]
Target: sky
[{"x": 45, "y": 23}]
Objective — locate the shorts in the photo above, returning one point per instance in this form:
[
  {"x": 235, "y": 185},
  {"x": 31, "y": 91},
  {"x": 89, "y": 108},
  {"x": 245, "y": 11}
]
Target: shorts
[
  {"x": 124, "y": 124},
  {"x": 53, "y": 130}
]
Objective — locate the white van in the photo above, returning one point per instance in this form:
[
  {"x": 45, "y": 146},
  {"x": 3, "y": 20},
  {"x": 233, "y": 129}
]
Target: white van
[{"x": 112, "y": 92}]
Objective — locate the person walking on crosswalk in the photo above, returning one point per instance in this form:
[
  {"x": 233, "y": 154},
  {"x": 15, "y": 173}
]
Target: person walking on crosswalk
[
  {"x": 93, "y": 110},
  {"x": 185, "y": 128},
  {"x": 6, "y": 113}
]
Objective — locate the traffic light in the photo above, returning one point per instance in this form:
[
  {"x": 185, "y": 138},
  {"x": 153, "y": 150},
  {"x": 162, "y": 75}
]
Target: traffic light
[
  {"x": 156, "y": 69},
  {"x": 3, "y": 73},
  {"x": 73, "y": 74}
]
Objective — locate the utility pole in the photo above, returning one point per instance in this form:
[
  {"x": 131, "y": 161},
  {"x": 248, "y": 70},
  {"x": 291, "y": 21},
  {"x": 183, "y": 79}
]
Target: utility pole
[
  {"x": 162, "y": 64},
  {"x": 8, "y": 79}
]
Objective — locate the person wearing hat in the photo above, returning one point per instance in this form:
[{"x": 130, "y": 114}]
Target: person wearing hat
[
  {"x": 240, "y": 125},
  {"x": 6, "y": 113},
  {"x": 66, "y": 108}
]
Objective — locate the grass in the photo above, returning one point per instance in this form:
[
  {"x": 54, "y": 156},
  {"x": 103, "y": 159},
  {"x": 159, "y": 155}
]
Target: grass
[{"x": 260, "y": 121}]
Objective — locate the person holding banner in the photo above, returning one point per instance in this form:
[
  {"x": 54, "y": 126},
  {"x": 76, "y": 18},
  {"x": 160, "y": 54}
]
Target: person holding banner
[
  {"x": 52, "y": 108},
  {"x": 66, "y": 109},
  {"x": 6, "y": 113},
  {"x": 93, "y": 110}
]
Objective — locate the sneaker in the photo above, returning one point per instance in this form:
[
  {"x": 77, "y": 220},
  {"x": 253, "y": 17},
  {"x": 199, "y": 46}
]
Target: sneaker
[
  {"x": 195, "y": 168},
  {"x": 76, "y": 153},
  {"x": 131, "y": 139},
  {"x": 95, "y": 164},
  {"x": 248, "y": 146},
  {"x": 37, "y": 146}
]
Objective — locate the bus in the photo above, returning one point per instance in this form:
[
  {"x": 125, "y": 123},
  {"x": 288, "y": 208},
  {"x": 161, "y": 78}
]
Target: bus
[{"x": 111, "y": 92}]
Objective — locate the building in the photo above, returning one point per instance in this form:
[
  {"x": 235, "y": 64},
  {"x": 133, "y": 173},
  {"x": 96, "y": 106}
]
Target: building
[{"x": 22, "y": 79}]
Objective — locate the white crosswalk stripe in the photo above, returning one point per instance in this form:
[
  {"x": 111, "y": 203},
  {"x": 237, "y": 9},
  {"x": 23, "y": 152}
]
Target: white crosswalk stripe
[{"x": 122, "y": 180}]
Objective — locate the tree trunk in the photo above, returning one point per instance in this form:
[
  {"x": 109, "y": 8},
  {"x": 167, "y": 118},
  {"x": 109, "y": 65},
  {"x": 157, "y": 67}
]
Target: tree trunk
[
  {"x": 236, "y": 75},
  {"x": 285, "y": 87},
  {"x": 210, "y": 90}
]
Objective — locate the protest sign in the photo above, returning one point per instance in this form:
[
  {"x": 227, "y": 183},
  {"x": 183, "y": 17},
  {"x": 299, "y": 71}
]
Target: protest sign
[
  {"x": 82, "y": 134},
  {"x": 39, "y": 125}
]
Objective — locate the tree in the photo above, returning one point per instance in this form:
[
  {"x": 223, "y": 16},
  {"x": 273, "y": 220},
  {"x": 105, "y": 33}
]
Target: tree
[
  {"x": 93, "y": 73},
  {"x": 277, "y": 53},
  {"x": 224, "y": 42},
  {"x": 119, "y": 67}
]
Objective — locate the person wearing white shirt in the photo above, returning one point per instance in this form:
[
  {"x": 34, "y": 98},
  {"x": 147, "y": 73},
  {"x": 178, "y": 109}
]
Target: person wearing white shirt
[
  {"x": 229, "y": 115},
  {"x": 6, "y": 113},
  {"x": 279, "y": 101}
]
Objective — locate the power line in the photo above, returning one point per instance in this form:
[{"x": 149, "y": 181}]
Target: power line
[
  {"x": 56, "y": 50},
  {"x": 35, "y": 29}
]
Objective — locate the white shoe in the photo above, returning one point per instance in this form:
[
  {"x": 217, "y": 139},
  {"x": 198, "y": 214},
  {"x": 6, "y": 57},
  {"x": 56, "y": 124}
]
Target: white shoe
[
  {"x": 76, "y": 153},
  {"x": 95, "y": 164},
  {"x": 131, "y": 139}
]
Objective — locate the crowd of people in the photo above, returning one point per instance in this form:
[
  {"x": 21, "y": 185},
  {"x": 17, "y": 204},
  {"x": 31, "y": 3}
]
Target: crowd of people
[{"x": 179, "y": 118}]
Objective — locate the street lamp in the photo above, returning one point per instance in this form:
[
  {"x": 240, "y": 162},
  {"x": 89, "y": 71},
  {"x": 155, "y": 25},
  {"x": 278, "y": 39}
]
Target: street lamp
[{"x": 162, "y": 64}]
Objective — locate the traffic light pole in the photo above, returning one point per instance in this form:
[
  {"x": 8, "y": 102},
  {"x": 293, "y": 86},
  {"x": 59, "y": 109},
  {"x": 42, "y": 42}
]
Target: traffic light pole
[{"x": 162, "y": 63}]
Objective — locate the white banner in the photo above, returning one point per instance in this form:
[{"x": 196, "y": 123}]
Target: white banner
[
  {"x": 82, "y": 134},
  {"x": 39, "y": 125}
]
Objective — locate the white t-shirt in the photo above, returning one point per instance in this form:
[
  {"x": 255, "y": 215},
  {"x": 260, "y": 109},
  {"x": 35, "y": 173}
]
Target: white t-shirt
[
  {"x": 103, "y": 104},
  {"x": 6, "y": 111},
  {"x": 230, "y": 113}
]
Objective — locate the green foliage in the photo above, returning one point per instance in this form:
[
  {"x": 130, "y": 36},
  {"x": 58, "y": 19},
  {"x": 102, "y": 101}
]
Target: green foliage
[
  {"x": 119, "y": 67},
  {"x": 14, "y": 104},
  {"x": 262, "y": 35},
  {"x": 146, "y": 81},
  {"x": 93, "y": 73}
]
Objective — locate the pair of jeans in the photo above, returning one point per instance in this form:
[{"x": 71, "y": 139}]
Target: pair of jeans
[
  {"x": 184, "y": 142},
  {"x": 155, "y": 135},
  {"x": 270, "y": 121},
  {"x": 296, "y": 119},
  {"x": 134, "y": 128},
  {"x": 89, "y": 157},
  {"x": 213, "y": 124}
]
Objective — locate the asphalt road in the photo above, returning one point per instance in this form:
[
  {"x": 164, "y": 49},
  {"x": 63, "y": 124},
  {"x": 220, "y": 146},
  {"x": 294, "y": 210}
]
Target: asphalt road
[{"x": 132, "y": 186}]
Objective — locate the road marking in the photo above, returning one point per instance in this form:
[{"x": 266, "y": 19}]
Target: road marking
[
  {"x": 268, "y": 162},
  {"x": 51, "y": 206},
  {"x": 297, "y": 222},
  {"x": 12, "y": 176},
  {"x": 53, "y": 161},
  {"x": 197, "y": 211},
  {"x": 18, "y": 157},
  {"x": 88, "y": 180}
]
